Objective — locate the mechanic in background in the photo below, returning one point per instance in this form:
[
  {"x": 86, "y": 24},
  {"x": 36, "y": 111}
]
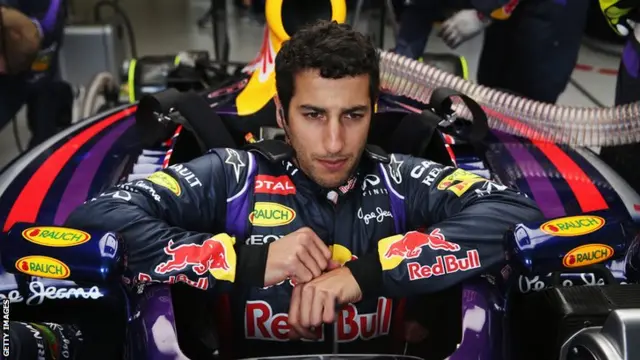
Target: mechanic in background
[
  {"x": 530, "y": 47},
  {"x": 30, "y": 38},
  {"x": 624, "y": 18}
]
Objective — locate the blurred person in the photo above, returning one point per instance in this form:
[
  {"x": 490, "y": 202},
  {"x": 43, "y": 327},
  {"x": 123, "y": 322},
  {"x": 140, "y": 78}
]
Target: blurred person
[
  {"x": 623, "y": 17},
  {"x": 530, "y": 47},
  {"x": 31, "y": 34}
]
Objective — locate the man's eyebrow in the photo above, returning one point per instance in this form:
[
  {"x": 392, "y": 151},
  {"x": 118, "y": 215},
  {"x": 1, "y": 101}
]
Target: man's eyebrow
[
  {"x": 355, "y": 108},
  {"x": 312, "y": 108},
  {"x": 322, "y": 110}
]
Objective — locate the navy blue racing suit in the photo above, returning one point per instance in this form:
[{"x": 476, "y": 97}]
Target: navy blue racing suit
[
  {"x": 39, "y": 88},
  {"x": 208, "y": 223}
]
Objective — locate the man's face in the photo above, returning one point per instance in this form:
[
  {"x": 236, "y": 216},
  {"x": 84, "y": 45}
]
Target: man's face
[{"x": 328, "y": 123}]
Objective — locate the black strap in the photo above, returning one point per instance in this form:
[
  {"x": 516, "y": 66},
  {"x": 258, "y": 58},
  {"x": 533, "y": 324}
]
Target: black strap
[
  {"x": 206, "y": 125},
  {"x": 442, "y": 105},
  {"x": 417, "y": 135}
]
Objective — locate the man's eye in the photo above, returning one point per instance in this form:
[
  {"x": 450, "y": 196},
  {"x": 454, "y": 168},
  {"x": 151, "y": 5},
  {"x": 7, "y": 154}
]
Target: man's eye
[
  {"x": 313, "y": 115},
  {"x": 354, "y": 116}
]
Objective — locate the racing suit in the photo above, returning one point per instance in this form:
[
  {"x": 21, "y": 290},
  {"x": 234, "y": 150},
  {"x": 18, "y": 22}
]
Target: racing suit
[
  {"x": 40, "y": 88},
  {"x": 209, "y": 221}
]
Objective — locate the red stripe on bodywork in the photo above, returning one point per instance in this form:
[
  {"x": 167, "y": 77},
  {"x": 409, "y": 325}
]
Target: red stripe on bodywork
[
  {"x": 587, "y": 194},
  {"x": 27, "y": 205}
]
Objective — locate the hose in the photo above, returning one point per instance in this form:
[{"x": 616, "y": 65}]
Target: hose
[
  {"x": 100, "y": 83},
  {"x": 515, "y": 115},
  {"x": 123, "y": 15}
]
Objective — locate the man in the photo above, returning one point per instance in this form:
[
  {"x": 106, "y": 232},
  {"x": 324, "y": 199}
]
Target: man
[
  {"x": 272, "y": 226},
  {"x": 530, "y": 47},
  {"x": 624, "y": 16},
  {"x": 31, "y": 34}
]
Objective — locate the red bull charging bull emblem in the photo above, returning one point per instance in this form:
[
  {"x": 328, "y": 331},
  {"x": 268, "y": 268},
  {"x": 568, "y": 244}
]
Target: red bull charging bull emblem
[
  {"x": 394, "y": 250},
  {"x": 410, "y": 246},
  {"x": 215, "y": 255}
]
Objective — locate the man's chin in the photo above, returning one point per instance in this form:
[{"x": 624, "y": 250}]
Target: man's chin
[{"x": 331, "y": 182}]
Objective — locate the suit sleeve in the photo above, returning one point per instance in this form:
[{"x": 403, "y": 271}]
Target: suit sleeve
[
  {"x": 49, "y": 16},
  {"x": 464, "y": 218},
  {"x": 495, "y": 9},
  {"x": 171, "y": 224}
]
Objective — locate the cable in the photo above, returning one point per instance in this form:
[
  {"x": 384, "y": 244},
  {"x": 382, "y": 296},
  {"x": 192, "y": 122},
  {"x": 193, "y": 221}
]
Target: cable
[
  {"x": 596, "y": 47},
  {"x": 16, "y": 134},
  {"x": 123, "y": 15},
  {"x": 586, "y": 93}
]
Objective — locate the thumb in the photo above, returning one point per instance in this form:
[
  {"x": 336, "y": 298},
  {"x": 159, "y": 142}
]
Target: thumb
[{"x": 333, "y": 265}]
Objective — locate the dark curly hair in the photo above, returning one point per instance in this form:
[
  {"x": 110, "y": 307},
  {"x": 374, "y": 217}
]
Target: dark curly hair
[{"x": 335, "y": 49}]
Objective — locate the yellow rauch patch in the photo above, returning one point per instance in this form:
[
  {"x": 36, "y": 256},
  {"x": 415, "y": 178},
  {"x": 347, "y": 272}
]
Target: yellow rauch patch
[
  {"x": 586, "y": 255},
  {"x": 55, "y": 236},
  {"x": 271, "y": 214},
  {"x": 43, "y": 266},
  {"x": 573, "y": 225},
  {"x": 165, "y": 180}
]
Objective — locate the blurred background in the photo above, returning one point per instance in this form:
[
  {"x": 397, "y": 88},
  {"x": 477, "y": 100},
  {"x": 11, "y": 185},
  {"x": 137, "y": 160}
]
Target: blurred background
[{"x": 164, "y": 27}]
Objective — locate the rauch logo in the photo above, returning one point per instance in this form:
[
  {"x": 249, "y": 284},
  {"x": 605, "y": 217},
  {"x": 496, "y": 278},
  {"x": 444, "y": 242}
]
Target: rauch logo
[
  {"x": 586, "y": 255},
  {"x": 573, "y": 225},
  {"x": 43, "y": 266},
  {"x": 271, "y": 214},
  {"x": 55, "y": 236}
]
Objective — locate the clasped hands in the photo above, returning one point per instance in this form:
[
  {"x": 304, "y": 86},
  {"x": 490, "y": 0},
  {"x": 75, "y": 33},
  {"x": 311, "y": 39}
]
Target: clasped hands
[{"x": 322, "y": 284}]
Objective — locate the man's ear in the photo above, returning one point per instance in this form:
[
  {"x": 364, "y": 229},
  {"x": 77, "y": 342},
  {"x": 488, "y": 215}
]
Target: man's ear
[{"x": 279, "y": 111}]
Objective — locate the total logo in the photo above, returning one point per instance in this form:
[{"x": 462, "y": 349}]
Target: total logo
[
  {"x": 573, "y": 225},
  {"x": 215, "y": 255},
  {"x": 43, "y": 266},
  {"x": 277, "y": 185},
  {"x": 262, "y": 323},
  {"x": 586, "y": 255},
  {"x": 55, "y": 236}
]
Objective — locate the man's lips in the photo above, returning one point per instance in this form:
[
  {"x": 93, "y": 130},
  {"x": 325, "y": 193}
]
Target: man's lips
[{"x": 333, "y": 164}]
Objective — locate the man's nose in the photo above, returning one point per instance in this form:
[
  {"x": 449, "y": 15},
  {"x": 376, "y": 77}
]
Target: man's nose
[{"x": 334, "y": 137}]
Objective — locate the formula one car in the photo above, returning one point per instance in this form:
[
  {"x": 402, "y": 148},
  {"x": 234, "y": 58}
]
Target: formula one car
[{"x": 545, "y": 293}]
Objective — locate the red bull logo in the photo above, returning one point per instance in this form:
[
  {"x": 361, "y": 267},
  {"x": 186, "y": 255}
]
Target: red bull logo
[
  {"x": 393, "y": 250},
  {"x": 215, "y": 255},
  {"x": 447, "y": 264},
  {"x": 410, "y": 246}
]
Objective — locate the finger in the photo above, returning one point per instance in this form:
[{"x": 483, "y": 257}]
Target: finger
[
  {"x": 307, "y": 267},
  {"x": 297, "y": 331},
  {"x": 302, "y": 327},
  {"x": 324, "y": 249},
  {"x": 329, "y": 309},
  {"x": 318, "y": 255},
  {"x": 333, "y": 265},
  {"x": 294, "y": 307},
  {"x": 293, "y": 334},
  {"x": 306, "y": 306},
  {"x": 316, "y": 308}
]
